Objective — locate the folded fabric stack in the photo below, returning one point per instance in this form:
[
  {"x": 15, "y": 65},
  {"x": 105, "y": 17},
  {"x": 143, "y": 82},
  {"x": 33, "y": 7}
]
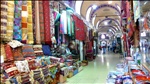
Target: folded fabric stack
[{"x": 28, "y": 64}]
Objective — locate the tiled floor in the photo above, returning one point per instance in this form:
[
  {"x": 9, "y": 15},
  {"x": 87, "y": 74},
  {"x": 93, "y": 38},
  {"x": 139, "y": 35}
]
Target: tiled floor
[{"x": 96, "y": 72}]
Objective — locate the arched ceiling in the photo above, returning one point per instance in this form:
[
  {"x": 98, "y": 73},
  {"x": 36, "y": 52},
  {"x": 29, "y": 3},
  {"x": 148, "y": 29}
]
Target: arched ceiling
[{"x": 104, "y": 11}]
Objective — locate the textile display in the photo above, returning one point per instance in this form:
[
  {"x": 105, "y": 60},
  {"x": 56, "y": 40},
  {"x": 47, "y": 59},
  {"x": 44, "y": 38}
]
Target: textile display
[
  {"x": 47, "y": 31},
  {"x": 4, "y": 8},
  {"x": 17, "y": 53},
  {"x": 46, "y": 50},
  {"x": 15, "y": 43},
  {"x": 41, "y": 18},
  {"x": 3, "y": 53},
  {"x": 10, "y": 69},
  {"x": 38, "y": 50},
  {"x": 22, "y": 66},
  {"x": 30, "y": 39},
  {"x": 57, "y": 24},
  {"x": 69, "y": 24},
  {"x": 57, "y": 31},
  {"x": 79, "y": 30},
  {"x": 56, "y": 15},
  {"x": 31, "y": 63},
  {"x": 63, "y": 22},
  {"x": 9, "y": 54},
  {"x": 27, "y": 50},
  {"x": 10, "y": 20},
  {"x": 33, "y": 21},
  {"x": 73, "y": 29},
  {"x": 37, "y": 26},
  {"x": 52, "y": 29},
  {"x": 24, "y": 13},
  {"x": 17, "y": 32}
]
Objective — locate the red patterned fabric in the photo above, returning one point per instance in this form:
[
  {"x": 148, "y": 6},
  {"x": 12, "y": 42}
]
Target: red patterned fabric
[
  {"x": 32, "y": 65},
  {"x": 17, "y": 53},
  {"x": 79, "y": 28},
  {"x": 46, "y": 10},
  {"x": 9, "y": 55},
  {"x": 10, "y": 69},
  {"x": 41, "y": 18}
]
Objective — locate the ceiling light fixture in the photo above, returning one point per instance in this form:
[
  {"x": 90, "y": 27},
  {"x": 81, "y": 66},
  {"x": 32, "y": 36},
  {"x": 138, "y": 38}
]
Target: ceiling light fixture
[
  {"x": 94, "y": 6},
  {"x": 105, "y": 23},
  {"x": 103, "y": 36},
  {"x": 109, "y": 2}
]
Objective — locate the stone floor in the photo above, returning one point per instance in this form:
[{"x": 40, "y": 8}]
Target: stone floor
[{"x": 96, "y": 72}]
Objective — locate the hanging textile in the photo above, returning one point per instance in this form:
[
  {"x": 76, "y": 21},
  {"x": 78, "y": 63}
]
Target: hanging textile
[
  {"x": 69, "y": 24},
  {"x": 37, "y": 30},
  {"x": 29, "y": 25},
  {"x": 17, "y": 35},
  {"x": 41, "y": 22},
  {"x": 10, "y": 20},
  {"x": 56, "y": 16},
  {"x": 34, "y": 20},
  {"x": 3, "y": 20},
  {"x": 46, "y": 10},
  {"x": 24, "y": 22},
  {"x": 57, "y": 24},
  {"x": 79, "y": 30},
  {"x": 63, "y": 22},
  {"x": 73, "y": 29},
  {"x": 52, "y": 30}
]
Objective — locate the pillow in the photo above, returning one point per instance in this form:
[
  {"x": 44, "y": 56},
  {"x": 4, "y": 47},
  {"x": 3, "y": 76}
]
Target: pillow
[
  {"x": 31, "y": 64},
  {"x": 22, "y": 66},
  {"x": 3, "y": 53},
  {"x": 15, "y": 44},
  {"x": 38, "y": 62},
  {"x": 8, "y": 51},
  {"x": 38, "y": 50},
  {"x": 46, "y": 50},
  {"x": 17, "y": 53},
  {"x": 27, "y": 51},
  {"x": 47, "y": 59},
  {"x": 10, "y": 69}
]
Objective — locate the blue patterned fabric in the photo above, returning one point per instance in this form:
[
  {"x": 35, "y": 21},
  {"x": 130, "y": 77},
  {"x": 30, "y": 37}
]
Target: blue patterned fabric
[{"x": 46, "y": 50}]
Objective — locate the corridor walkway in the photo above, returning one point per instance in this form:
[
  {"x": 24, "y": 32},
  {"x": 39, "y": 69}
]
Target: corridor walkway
[{"x": 96, "y": 72}]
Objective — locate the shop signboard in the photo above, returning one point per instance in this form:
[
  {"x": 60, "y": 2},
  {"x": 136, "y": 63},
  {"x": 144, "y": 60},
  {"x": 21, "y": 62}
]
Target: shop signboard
[{"x": 136, "y": 9}]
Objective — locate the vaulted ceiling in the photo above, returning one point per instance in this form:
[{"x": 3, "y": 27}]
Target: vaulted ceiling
[{"x": 104, "y": 15}]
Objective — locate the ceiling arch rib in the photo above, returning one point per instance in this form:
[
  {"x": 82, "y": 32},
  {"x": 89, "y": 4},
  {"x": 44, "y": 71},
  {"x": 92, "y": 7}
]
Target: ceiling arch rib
[
  {"x": 108, "y": 27},
  {"x": 78, "y": 5},
  {"x": 103, "y": 6},
  {"x": 110, "y": 19},
  {"x": 88, "y": 14}
]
